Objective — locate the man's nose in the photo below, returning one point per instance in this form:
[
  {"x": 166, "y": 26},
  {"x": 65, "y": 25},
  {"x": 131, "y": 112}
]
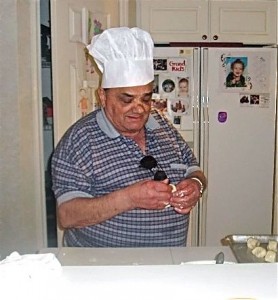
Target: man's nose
[{"x": 138, "y": 107}]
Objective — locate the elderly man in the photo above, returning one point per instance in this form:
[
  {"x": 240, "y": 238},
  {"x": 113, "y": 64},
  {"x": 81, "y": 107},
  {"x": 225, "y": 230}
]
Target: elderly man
[{"x": 107, "y": 168}]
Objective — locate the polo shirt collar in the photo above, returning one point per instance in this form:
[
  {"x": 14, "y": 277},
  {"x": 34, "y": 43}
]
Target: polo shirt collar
[{"x": 107, "y": 127}]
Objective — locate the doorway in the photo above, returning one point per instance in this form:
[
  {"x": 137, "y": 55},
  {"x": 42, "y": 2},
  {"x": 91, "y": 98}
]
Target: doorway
[{"x": 48, "y": 136}]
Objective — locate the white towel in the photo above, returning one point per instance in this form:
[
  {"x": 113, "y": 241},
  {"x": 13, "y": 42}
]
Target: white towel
[{"x": 30, "y": 276}]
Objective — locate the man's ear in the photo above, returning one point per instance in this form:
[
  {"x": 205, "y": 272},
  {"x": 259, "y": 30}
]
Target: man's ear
[{"x": 102, "y": 96}]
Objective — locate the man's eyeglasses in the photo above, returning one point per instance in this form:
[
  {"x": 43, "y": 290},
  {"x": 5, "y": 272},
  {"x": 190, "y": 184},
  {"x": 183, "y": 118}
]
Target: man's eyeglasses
[{"x": 148, "y": 162}]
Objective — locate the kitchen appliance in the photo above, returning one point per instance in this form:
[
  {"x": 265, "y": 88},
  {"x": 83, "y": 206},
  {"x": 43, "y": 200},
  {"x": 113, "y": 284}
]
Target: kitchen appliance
[{"x": 227, "y": 116}]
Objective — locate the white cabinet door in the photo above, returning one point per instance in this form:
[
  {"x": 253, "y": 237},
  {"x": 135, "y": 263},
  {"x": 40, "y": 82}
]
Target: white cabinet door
[
  {"x": 249, "y": 22},
  {"x": 242, "y": 21},
  {"x": 174, "y": 21}
]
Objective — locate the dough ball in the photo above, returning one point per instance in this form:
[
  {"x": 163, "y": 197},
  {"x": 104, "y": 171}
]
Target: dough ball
[
  {"x": 252, "y": 243},
  {"x": 270, "y": 256},
  {"x": 272, "y": 246},
  {"x": 259, "y": 252},
  {"x": 174, "y": 189}
]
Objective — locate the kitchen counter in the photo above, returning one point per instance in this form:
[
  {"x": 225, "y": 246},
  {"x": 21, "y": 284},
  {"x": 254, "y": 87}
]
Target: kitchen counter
[
  {"x": 69, "y": 256},
  {"x": 146, "y": 274},
  {"x": 194, "y": 282}
]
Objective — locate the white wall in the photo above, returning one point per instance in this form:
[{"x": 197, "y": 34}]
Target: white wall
[{"x": 22, "y": 221}]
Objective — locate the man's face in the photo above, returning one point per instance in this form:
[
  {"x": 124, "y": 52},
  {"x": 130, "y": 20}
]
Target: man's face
[{"x": 127, "y": 108}]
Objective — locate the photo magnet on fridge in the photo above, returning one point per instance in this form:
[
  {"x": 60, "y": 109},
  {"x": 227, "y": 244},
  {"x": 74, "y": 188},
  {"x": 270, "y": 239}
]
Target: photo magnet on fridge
[{"x": 236, "y": 69}]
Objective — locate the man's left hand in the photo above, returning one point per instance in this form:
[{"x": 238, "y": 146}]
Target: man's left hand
[{"x": 186, "y": 196}]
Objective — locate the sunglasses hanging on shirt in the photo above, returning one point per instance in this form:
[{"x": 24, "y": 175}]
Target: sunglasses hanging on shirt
[{"x": 149, "y": 162}]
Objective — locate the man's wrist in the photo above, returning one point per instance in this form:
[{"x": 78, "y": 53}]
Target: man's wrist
[{"x": 200, "y": 183}]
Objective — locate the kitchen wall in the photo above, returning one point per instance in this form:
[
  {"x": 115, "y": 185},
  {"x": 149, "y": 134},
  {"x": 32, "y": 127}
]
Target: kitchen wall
[{"x": 22, "y": 218}]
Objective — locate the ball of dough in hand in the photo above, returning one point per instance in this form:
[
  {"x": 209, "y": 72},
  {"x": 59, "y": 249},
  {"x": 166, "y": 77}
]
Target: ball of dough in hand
[{"x": 174, "y": 189}]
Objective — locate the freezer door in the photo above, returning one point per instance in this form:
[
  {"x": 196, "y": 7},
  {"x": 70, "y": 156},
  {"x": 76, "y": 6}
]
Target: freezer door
[
  {"x": 176, "y": 95},
  {"x": 238, "y": 140}
]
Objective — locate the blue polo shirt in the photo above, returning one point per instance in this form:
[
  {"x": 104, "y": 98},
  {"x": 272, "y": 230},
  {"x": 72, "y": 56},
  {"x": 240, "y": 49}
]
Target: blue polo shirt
[{"x": 94, "y": 159}]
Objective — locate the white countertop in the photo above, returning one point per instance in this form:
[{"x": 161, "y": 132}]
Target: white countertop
[
  {"x": 147, "y": 274},
  {"x": 213, "y": 282},
  {"x": 136, "y": 256}
]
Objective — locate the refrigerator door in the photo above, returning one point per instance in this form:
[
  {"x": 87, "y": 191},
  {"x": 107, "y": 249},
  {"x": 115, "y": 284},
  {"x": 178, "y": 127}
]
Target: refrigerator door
[{"x": 238, "y": 140}]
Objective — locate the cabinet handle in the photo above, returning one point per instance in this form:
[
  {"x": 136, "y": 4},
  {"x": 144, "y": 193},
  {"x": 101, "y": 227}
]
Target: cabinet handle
[
  {"x": 204, "y": 37},
  {"x": 215, "y": 37}
]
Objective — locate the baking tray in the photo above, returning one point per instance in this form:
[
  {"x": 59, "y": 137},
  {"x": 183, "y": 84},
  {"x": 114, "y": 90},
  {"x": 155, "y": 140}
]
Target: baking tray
[{"x": 238, "y": 244}]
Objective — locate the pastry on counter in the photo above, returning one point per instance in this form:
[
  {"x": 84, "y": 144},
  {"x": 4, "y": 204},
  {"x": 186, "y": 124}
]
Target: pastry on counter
[
  {"x": 252, "y": 243},
  {"x": 272, "y": 245},
  {"x": 259, "y": 252},
  {"x": 270, "y": 256}
]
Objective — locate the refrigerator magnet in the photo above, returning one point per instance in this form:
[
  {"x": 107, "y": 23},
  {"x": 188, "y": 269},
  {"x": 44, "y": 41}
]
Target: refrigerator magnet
[{"x": 222, "y": 116}]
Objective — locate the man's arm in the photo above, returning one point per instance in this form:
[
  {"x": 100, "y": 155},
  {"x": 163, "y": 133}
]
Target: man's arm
[{"x": 81, "y": 212}]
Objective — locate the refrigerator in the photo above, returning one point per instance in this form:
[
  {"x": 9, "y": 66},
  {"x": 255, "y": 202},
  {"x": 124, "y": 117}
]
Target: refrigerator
[{"x": 227, "y": 115}]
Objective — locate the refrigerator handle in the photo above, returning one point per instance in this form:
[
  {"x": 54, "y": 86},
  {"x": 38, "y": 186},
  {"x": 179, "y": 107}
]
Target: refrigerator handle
[
  {"x": 205, "y": 133},
  {"x": 196, "y": 102},
  {"x": 204, "y": 141},
  {"x": 204, "y": 165}
]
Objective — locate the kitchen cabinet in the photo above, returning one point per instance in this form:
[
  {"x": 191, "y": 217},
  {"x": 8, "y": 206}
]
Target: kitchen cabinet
[{"x": 247, "y": 21}]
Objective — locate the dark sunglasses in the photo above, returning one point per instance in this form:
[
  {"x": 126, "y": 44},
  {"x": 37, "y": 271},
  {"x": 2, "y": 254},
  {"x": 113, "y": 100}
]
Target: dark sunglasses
[{"x": 148, "y": 162}]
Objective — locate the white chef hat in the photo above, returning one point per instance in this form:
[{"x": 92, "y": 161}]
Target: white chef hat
[{"x": 124, "y": 56}]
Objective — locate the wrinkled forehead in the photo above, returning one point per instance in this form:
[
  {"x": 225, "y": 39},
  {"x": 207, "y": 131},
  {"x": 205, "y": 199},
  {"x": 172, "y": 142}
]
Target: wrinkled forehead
[{"x": 131, "y": 90}]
